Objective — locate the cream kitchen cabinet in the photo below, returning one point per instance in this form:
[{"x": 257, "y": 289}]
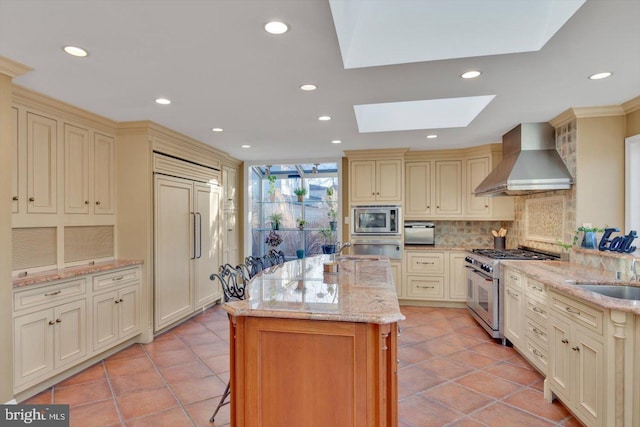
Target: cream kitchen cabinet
[
  {"x": 50, "y": 331},
  {"x": 513, "y": 307},
  {"x": 375, "y": 181},
  {"x": 577, "y": 358},
  {"x": 396, "y": 270},
  {"x": 41, "y": 164},
  {"x": 116, "y": 307},
  {"x": 230, "y": 251},
  {"x": 457, "y": 277},
  {"x": 433, "y": 189},
  {"x": 230, "y": 185},
  {"x": 88, "y": 171},
  {"x": 15, "y": 155},
  {"x": 187, "y": 251},
  {"x": 477, "y": 170}
]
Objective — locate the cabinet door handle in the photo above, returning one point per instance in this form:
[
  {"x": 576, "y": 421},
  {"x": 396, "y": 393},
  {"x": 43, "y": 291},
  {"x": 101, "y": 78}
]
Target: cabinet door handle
[
  {"x": 572, "y": 311},
  {"x": 426, "y": 287},
  {"x": 115, "y": 279},
  {"x": 538, "y": 310},
  {"x": 425, "y": 262},
  {"x": 58, "y": 320},
  {"x": 199, "y": 235},
  {"x": 31, "y": 199},
  {"x": 15, "y": 198},
  {"x": 52, "y": 322},
  {"x": 194, "y": 235},
  {"x": 564, "y": 341},
  {"x": 576, "y": 348},
  {"x": 538, "y": 331},
  {"x": 50, "y": 294},
  {"x": 513, "y": 294},
  {"x": 118, "y": 301},
  {"x": 536, "y": 352}
]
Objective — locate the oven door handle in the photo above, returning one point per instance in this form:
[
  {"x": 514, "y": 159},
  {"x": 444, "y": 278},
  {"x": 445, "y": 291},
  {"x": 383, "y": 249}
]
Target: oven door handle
[{"x": 483, "y": 276}]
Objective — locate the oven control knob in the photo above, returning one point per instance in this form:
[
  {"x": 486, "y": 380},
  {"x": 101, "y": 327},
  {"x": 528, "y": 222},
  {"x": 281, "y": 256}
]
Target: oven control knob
[{"x": 468, "y": 259}]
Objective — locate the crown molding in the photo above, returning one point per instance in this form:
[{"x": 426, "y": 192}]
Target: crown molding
[
  {"x": 631, "y": 105},
  {"x": 12, "y": 68},
  {"x": 586, "y": 112}
]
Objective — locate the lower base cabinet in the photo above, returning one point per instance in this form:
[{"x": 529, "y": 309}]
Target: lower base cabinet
[
  {"x": 61, "y": 324},
  {"x": 294, "y": 372},
  {"x": 432, "y": 275}
]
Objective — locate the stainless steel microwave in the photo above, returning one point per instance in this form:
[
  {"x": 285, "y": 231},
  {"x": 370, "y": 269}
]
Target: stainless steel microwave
[{"x": 377, "y": 219}]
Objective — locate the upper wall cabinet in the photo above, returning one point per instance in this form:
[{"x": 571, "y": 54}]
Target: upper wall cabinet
[
  {"x": 88, "y": 172},
  {"x": 42, "y": 148},
  {"x": 440, "y": 184},
  {"x": 15, "y": 150},
  {"x": 375, "y": 181}
]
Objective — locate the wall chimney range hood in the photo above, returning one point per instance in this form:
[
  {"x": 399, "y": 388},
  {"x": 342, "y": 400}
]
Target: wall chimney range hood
[{"x": 530, "y": 163}]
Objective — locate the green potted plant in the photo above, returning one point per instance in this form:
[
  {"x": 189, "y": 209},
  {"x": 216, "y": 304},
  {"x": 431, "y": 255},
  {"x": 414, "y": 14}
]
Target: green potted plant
[
  {"x": 589, "y": 240},
  {"x": 301, "y": 222},
  {"x": 332, "y": 214},
  {"x": 329, "y": 246},
  {"x": 272, "y": 187},
  {"x": 276, "y": 220},
  {"x": 300, "y": 192}
]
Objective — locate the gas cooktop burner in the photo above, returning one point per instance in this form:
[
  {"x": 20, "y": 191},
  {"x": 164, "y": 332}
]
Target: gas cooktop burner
[{"x": 513, "y": 254}]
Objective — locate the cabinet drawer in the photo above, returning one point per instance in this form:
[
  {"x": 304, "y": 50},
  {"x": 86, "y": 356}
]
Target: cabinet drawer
[
  {"x": 116, "y": 279},
  {"x": 536, "y": 290},
  {"x": 48, "y": 295},
  {"x": 536, "y": 332},
  {"x": 537, "y": 355},
  {"x": 536, "y": 310},
  {"x": 425, "y": 263},
  {"x": 513, "y": 278},
  {"x": 426, "y": 287},
  {"x": 582, "y": 314}
]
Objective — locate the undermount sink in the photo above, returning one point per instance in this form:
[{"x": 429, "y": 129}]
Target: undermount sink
[{"x": 614, "y": 291}]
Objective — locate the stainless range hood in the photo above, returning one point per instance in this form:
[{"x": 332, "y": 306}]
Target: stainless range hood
[{"x": 530, "y": 163}]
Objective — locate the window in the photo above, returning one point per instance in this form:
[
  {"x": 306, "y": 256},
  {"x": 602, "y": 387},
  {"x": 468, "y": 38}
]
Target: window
[
  {"x": 632, "y": 183},
  {"x": 304, "y": 223}
]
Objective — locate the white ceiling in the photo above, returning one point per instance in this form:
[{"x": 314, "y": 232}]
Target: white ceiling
[{"x": 213, "y": 59}]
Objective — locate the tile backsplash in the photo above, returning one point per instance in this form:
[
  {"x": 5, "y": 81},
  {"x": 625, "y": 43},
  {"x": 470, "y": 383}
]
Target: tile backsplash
[{"x": 468, "y": 234}]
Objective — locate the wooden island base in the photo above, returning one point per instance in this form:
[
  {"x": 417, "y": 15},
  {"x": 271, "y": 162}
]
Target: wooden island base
[{"x": 296, "y": 372}]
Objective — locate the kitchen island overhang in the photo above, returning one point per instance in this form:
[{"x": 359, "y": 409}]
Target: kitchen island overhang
[{"x": 312, "y": 348}]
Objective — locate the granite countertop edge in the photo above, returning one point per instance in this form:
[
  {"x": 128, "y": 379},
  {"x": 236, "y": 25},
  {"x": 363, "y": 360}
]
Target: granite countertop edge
[
  {"x": 357, "y": 318},
  {"x": 71, "y": 272},
  {"x": 563, "y": 275}
]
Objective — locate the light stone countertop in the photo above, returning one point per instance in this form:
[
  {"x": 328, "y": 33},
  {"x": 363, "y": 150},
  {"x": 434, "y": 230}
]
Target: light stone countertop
[
  {"x": 435, "y": 248},
  {"x": 562, "y": 276},
  {"x": 362, "y": 291},
  {"x": 71, "y": 272}
]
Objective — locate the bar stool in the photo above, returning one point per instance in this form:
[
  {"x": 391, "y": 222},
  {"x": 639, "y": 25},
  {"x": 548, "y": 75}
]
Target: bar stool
[{"x": 233, "y": 283}]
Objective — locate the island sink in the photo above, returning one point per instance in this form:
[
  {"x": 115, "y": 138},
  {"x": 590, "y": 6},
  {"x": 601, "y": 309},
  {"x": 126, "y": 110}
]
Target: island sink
[{"x": 615, "y": 291}]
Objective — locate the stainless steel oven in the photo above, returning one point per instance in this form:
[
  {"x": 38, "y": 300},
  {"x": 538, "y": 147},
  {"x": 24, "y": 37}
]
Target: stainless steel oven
[
  {"x": 375, "y": 220},
  {"x": 389, "y": 248},
  {"x": 483, "y": 299}
]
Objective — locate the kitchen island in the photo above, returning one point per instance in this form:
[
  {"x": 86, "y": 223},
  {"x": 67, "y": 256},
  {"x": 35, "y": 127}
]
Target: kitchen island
[{"x": 310, "y": 348}]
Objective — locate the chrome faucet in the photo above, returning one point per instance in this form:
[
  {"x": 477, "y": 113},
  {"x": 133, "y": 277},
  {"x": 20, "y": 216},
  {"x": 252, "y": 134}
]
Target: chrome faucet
[{"x": 339, "y": 248}]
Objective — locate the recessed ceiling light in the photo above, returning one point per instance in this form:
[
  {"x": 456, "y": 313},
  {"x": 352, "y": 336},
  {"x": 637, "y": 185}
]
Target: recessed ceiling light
[
  {"x": 309, "y": 87},
  {"x": 75, "y": 51},
  {"x": 163, "y": 101},
  {"x": 432, "y": 136},
  {"x": 336, "y": 141},
  {"x": 217, "y": 129},
  {"x": 276, "y": 27},
  {"x": 245, "y": 146},
  {"x": 470, "y": 74},
  {"x": 599, "y": 76},
  {"x": 324, "y": 118}
]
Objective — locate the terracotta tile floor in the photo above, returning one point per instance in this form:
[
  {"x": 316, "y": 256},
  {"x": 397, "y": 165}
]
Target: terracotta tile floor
[{"x": 450, "y": 374}]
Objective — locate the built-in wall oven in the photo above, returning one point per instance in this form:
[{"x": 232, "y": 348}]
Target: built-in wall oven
[{"x": 485, "y": 295}]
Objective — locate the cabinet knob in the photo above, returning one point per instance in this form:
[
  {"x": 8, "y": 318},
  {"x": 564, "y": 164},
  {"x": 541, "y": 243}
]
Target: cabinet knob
[
  {"x": 565, "y": 341},
  {"x": 437, "y": 207},
  {"x": 86, "y": 202},
  {"x": 51, "y": 322},
  {"x": 576, "y": 348},
  {"x": 486, "y": 206},
  {"x": 120, "y": 300},
  {"x": 15, "y": 198},
  {"x": 98, "y": 202},
  {"x": 58, "y": 321},
  {"x": 117, "y": 301},
  {"x": 31, "y": 199}
]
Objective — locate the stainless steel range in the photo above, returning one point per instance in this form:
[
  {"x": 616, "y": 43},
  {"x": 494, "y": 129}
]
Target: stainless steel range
[{"x": 484, "y": 290}]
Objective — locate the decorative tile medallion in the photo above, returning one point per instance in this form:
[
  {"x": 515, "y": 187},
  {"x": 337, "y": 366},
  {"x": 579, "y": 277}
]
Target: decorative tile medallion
[{"x": 542, "y": 219}]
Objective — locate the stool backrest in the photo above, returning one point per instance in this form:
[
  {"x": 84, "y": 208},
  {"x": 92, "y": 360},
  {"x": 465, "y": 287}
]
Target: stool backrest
[
  {"x": 232, "y": 281},
  {"x": 254, "y": 265}
]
